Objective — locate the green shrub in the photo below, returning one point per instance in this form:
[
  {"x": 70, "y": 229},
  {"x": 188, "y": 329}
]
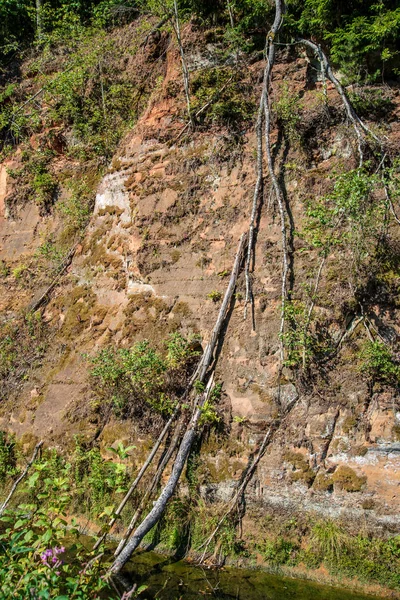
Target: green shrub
[
  {"x": 229, "y": 96},
  {"x": 215, "y": 295},
  {"x": 288, "y": 110},
  {"x": 141, "y": 378},
  {"x": 378, "y": 363},
  {"x": 347, "y": 479},
  {"x": 280, "y": 551}
]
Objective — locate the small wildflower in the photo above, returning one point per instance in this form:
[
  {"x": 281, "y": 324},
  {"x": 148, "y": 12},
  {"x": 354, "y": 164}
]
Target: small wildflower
[{"x": 52, "y": 553}]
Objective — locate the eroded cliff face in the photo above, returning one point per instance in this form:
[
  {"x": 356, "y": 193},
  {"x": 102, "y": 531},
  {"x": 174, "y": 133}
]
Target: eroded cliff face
[{"x": 162, "y": 238}]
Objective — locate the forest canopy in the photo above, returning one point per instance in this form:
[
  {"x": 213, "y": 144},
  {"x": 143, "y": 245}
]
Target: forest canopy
[{"x": 361, "y": 36}]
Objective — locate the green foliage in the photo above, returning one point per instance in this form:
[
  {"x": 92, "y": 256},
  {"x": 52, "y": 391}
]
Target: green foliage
[
  {"x": 280, "y": 551},
  {"x": 378, "y": 363},
  {"x": 140, "y": 377},
  {"x": 288, "y": 110},
  {"x": 76, "y": 208},
  {"x": 228, "y": 94},
  {"x": 42, "y": 555},
  {"x": 371, "y": 102},
  {"x": 8, "y": 458},
  {"x": 360, "y": 36},
  {"x": 95, "y": 479},
  {"x": 215, "y": 295},
  {"x": 92, "y": 96},
  {"x": 328, "y": 539},
  {"x": 350, "y": 217},
  {"x": 296, "y": 339}
]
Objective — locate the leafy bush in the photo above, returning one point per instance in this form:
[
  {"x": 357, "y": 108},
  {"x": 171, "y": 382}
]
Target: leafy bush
[
  {"x": 140, "y": 378},
  {"x": 42, "y": 555},
  {"x": 279, "y": 551},
  {"x": 288, "y": 109},
  {"x": 378, "y": 363}
]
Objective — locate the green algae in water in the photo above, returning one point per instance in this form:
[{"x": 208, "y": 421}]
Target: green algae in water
[{"x": 170, "y": 580}]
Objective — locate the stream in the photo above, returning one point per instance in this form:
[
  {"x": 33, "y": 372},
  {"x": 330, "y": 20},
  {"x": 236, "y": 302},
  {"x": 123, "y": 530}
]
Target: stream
[{"x": 168, "y": 579}]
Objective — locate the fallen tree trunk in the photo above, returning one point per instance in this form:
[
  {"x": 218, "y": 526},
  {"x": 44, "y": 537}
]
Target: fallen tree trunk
[
  {"x": 188, "y": 439},
  {"x": 139, "y": 476},
  {"x": 154, "y": 483}
]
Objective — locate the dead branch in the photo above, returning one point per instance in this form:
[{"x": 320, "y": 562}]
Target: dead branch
[
  {"x": 139, "y": 476},
  {"x": 153, "y": 485},
  {"x": 21, "y": 477},
  {"x": 189, "y": 437}
]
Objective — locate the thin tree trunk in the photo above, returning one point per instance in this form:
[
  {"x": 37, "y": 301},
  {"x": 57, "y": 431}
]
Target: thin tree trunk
[
  {"x": 278, "y": 192},
  {"x": 257, "y": 191},
  {"x": 21, "y": 477},
  {"x": 39, "y": 30}
]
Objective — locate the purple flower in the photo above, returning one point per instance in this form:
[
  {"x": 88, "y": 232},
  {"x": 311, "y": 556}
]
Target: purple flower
[{"x": 52, "y": 553}]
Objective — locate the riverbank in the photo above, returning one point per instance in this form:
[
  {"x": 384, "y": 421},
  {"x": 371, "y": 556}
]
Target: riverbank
[{"x": 165, "y": 577}]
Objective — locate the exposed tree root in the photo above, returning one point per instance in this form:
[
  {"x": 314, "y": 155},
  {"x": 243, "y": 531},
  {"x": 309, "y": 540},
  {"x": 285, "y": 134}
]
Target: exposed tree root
[
  {"x": 247, "y": 476},
  {"x": 270, "y": 56},
  {"x": 359, "y": 126},
  {"x": 311, "y": 308}
]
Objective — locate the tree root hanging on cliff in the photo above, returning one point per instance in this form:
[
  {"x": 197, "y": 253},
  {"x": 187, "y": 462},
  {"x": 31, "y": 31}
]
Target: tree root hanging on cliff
[
  {"x": 358, "y": 125},
  {"x": 270, "y": 57},
  {"x": 248, "y": 474}
]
